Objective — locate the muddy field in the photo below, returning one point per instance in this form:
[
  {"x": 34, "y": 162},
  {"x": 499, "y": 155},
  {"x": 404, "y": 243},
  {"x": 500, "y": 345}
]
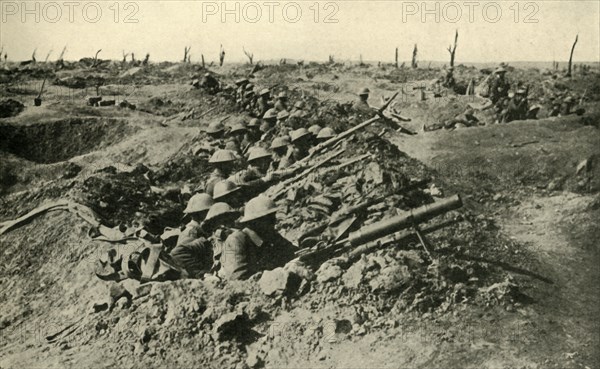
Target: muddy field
[{"x": 512, "y": 283}]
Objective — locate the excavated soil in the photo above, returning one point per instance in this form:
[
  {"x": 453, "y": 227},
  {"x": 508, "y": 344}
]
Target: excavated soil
[{"x": 396, "y": 306}]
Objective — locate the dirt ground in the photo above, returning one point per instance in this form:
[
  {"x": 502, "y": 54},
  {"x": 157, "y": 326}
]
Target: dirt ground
[{"x": 520, "y": 179}]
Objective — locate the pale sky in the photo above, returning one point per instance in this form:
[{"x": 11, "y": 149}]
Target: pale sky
[{"x": 488, "y": 31}]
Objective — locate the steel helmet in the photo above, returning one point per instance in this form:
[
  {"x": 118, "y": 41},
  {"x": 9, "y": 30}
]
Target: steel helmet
[
  {"x": 298, "y": 134},
  {"x": 270, "y": 114},
  {"x": 237, "y": 127},
  {"x": 199, "y": 202},
  {"x": 249, "y": 86},
  {"x": 241, "y": 81},
  {"x": 282, "y": 95},
  {"x": 314, "y": 129},
  {"x": 299, "y": 105},
  {"x": 215, "y": 127},
  {"x": 249, "y": 93},
  {"x": 326, "y": 133},
  {"x": 264, "y": 91},
  {"x": 224, "y": 188},
  {"x": 363, "y": 91},
  {"x": 283, "y": 115},
  {"x": 278, "y": 142},
  {"x": 222, "y": 156},
  {"x": 254, "y": 122},
  {"x": 500, "y": 70},
  {"x": 258, "y": 152},
  {"x": 258, "y": 207},
  {"x": 219, "y": 209}
]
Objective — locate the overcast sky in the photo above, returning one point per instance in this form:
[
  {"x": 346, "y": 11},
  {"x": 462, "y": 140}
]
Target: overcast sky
[{"x": 488, "y": 31}]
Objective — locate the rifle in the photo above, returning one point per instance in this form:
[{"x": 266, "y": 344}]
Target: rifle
[
  {"x": 341, "y": 215},
  {"x": 304, "y": 173},
  {"x": 332, "y": 141},
  {"x": 383, "y": 228}
]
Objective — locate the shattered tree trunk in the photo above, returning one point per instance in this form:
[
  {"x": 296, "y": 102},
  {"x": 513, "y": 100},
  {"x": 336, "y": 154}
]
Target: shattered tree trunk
[
  {"x": 221, "y": 56},
  {"x": 186, "y": 51},
  {"x": 249, "y": 55},
  {"x": 95, "y": 63},
  {"x": 413, "y": 63},
  {"x": 47, "y": 56},
  {"x": 202, "y": 56},
  {"x": 452, "y": 50},
  {"x": 33, "y": 60},
  {"x": 396, "y": 58},
  {"x": 571, "y": 57}
]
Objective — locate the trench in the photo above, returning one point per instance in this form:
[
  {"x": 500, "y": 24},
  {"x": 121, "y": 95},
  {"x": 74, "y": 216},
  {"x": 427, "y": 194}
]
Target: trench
[{"x": 60, "y": 140}]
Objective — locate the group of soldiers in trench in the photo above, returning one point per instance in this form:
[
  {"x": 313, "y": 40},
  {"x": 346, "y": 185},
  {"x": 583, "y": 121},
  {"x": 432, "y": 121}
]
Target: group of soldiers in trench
[
  {"x": 231, "y": 229},
  {"x": 507, "y": 105}
]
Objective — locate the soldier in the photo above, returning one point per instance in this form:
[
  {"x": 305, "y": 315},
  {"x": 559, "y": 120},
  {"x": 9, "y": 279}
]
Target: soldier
[
  {"x": 299, "y": 110},
  {"x": 314, "y": 131},
  {"x": 215, "y": 132},
  {"x": 248, "y": 102},
  {"x": 238, "y": 135},
  {"x": 223, "y": 161},
  {"x": 268, "y": 125},
  {"x": 228, "y": 192},
  {"x": 263, "y": 104},
  {"x": 282, "y": 150},
  {"x": 282, "y": 117},
  {"x": 210, "y": 84},
  {"x": 448, "y": 79},
  {"x": 241, "y": 84},
  {"x": 517, "y": 107},
  {"x": 301, "y": 140},
  {"x": 281, "y": 103},
  {"x": 220, "y": 223},
  {"x": 252, "y": 135},
  {"x": 256, "y": 178},
  {"x": 193, "y": 251},
  {"x": 499, "y": 86},
  {"x": 362, "y": 103},
  {"x": 258, "y": 246},
  {"x": 325, "y": 134}
]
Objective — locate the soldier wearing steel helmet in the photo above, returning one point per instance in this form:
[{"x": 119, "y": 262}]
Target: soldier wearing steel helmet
[
  {"x": 499, "y": 86},
  {"x": 517, "y": 106},
  {"x": 237, "y": 135},
  {"x": 223, "y": 162},
  {"x": 268, "y": 126},
  {"x": 325, "y": 134},
  {"x": 362, "y": 104},
  {"x": 228, "y": 192},
  {"x": 299, "y": 110},
  {"x": 256, "y": 247},
  {"x": 301, "y": 142},
  {"x": 256, "y": 178},
  {"x": 241, "y": 88},
  {"x": 215, "y": 132},
  {"x": 281, "y": 146},
  {"x": 281, "y": 102},
  {"x": 263, "y": 104},
  {"x": 210, "y": 84},
  {"x": 193, "y": 251},
  {"x": 220, "y": 224}
]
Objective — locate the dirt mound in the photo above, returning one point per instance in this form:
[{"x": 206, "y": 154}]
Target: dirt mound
[{"x": 60, "y": 140}]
